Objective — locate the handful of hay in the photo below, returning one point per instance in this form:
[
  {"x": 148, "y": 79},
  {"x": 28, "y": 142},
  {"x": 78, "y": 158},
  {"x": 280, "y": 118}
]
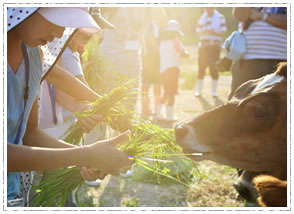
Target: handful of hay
[{"x": 110, "y": 106}]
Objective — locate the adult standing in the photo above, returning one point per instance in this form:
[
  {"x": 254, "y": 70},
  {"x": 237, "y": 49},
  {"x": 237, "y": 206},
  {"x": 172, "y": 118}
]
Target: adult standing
[
  {"x": 211, "y": 27},
  {"x": 266, "y": 43}
]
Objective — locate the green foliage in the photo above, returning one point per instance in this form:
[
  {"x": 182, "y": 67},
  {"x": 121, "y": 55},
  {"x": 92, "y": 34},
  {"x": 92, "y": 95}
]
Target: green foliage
[
  {"x": 57, "y": 187},
  {"x": 180, "y": 170},
  {"x": 111, "y": 105},
  {"x": 98, "y": 72}
]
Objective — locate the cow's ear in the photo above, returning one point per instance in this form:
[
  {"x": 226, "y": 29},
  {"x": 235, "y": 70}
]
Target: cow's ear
[
  {"x": 282, "y": 69},
  {"x": 245, "y": 89}
]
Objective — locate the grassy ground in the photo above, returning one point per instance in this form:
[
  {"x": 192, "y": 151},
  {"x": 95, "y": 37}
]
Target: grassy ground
[{"x": 213, "y": 186}]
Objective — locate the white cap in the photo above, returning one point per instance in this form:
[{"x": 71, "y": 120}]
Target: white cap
[
  {"x": 174, "y": 25},
  {"x": 74, "y": 17}
]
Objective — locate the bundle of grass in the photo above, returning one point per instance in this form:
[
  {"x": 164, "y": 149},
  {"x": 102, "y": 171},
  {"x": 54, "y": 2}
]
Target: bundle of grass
[
  {"x": 56, "y": 188},
  {"x": 152, "y": 148},
  {"x": 158, "y": 157},
  {"x": 111, "y": 106},
  {"x": 180, "y": 170}
]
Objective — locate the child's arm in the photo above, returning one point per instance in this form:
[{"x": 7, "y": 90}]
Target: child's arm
[
  {"x": 65, "y": 81},
  {"x": 73, "y": 105},
  {"x": 42, "y": 152}
]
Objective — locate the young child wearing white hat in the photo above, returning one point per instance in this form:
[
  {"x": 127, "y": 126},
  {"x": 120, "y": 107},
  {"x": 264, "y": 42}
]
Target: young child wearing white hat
[
  {"x": 170, "y": 50},
  {"x": 28, "y": 147}
]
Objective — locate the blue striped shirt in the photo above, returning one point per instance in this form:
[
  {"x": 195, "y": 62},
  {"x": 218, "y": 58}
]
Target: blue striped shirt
[{"x": 15, "y": 106}]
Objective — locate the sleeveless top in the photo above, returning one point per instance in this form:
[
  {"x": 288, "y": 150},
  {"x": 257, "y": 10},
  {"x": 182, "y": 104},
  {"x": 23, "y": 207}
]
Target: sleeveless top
[{"x": 15, "y": 104}]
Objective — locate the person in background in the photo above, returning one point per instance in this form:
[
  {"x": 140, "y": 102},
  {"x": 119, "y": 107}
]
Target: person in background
[
  {"x": 150, "y": 68},
  {"x": 266, "y": 42},
  {"x": 28, "y": 147},
  {"x": 151, "y": 60},
  {"x": 211, "y": 28},
  {"x": 170, "y": 50}
]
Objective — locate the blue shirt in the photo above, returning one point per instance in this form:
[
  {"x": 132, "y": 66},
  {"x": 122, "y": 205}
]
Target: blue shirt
[{"x": 15, "y": 106}]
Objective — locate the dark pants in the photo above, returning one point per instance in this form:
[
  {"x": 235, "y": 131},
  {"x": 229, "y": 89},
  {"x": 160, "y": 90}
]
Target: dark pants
[
  {"x": 244, "y": 70},
  {"x": 208, "y": 56}
]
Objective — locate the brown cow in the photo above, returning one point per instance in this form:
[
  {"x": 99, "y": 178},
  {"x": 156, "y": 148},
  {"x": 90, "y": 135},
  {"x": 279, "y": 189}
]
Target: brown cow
[{"x": 248, "y": 132}]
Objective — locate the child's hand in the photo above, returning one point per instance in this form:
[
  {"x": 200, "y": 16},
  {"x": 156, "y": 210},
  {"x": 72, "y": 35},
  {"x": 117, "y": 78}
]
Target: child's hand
[
  {"x": 103, "y": 155},
  {"x": 121, "y": 123},
  {"x": 92, "y": 174},
  {"x": 90, "y": 122}
]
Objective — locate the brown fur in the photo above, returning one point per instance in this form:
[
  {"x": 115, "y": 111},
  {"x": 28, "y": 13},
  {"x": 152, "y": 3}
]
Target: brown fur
[
  {"x": 249, "y": 132},
  {"x": 271, "y": 190}
]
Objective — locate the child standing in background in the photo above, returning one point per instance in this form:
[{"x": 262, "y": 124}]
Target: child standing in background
[{"x": 170, "y": 51}]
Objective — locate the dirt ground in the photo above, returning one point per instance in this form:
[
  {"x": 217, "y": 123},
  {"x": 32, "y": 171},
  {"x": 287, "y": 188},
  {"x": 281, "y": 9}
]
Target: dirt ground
[{"x": 214, "y": 189}]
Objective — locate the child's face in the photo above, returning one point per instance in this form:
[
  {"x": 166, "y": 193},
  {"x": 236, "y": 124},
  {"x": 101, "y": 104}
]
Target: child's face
[{"x": 36, "y": 30}]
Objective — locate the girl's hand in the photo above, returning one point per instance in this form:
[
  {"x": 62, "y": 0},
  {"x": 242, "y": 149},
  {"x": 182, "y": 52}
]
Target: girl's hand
[
  {"x": 103, "y": 155},
  {"x": 90, "y": 122},
  {"x": 92, "y": 174}
]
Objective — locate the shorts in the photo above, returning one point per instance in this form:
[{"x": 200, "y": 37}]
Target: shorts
[{"x": 169, "y": 80}]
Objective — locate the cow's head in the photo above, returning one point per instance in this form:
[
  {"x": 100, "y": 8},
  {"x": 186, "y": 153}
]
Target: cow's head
[{"x": 248, "y": 132}]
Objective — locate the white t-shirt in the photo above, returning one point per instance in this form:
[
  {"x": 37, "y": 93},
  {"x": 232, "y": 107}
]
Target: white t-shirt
[
  {"x": 71, "y": 62},
  {"x": 170, "y": 50}
]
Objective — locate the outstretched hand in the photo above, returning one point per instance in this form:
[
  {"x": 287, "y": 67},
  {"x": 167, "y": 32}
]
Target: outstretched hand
[{"x": 104, "y": 155}]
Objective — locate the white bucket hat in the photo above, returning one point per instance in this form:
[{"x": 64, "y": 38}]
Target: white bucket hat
[
  {"x": 68, "y": 17},
  {"x": 74, "y": 17},
  {"x": 174, "y": 25}
]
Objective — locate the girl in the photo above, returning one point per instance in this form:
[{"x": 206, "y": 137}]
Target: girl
[{"x": 28, "y": 147}]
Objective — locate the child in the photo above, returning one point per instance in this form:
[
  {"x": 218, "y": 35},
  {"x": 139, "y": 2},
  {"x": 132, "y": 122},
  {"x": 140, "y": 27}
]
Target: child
[
  {"x": 28, "y": 147},
  {"x": 170, "y": 50}
]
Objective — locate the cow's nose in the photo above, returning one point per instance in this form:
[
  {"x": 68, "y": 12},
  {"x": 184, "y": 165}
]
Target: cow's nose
[{"x": 181, "y": 131}]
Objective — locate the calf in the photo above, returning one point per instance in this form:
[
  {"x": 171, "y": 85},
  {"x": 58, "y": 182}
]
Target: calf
[{"x": 248, "y": 132}]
